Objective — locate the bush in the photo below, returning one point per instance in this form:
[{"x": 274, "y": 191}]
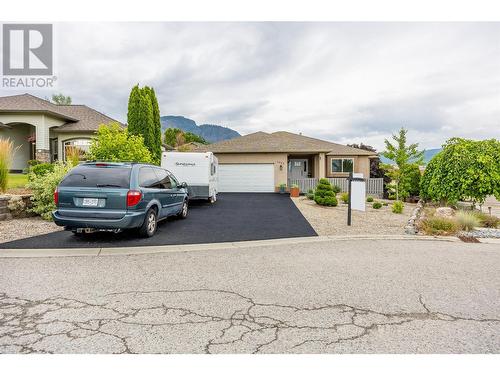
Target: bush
[
  {"x": 43, "y": 187},
  {"x": 324, "y": 195},
  {"x": 397, "y": 207},
  {"x": 33, "y": 162},
  {"x": 467, "y": 220},
  {"x": 344, "y": 197},
  {"x": 385, "y": 204},
  {"x": 113, "y": 143},
  {"x": 439, "y": 226},
  {"x": 310, "y": 194},
  {"x": 392, "y": 197},
  {"x": 335, "y": 189},
  {"x": 40, "y": 169},
  {"x": 487, "y": 221},
  {"x": 6, "y": 154},
  {"x": 376, "y": 205},
  {"x": 369, "y": 199}
]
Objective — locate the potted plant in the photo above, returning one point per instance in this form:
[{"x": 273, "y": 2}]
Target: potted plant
[
  {"x": 294, "y": 191},
  {"x": 282, "y": 188}
]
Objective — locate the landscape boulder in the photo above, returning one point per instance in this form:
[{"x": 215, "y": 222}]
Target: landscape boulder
[{"x": 446, "y": 212}]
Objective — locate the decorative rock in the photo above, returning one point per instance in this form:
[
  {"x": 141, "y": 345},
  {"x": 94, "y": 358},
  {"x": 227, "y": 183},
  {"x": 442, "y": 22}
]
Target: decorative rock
[
  {"x": 482, "y": 233},
  {"x": 411, "y": 227},
  {"x": 446, "y": 212}
]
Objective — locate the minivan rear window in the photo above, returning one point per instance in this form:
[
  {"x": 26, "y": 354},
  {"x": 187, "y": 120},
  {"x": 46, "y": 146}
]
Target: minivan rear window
[{"x": 90, "y": 176}]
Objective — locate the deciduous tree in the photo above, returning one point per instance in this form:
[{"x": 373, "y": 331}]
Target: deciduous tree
[{"x": 463, "y": 170}]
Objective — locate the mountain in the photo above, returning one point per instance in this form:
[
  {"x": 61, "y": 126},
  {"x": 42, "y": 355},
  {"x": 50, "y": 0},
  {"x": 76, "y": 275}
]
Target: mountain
[
  {"x": 428, "y": 155},
  {"x": 212, "y": 133}
]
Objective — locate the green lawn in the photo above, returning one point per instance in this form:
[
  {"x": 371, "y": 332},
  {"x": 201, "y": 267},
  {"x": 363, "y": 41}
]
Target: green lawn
[{"x": 17, "y": 180}]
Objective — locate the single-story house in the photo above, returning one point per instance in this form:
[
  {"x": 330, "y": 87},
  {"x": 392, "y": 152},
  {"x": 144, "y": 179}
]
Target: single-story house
[
  {"x": 261, "y": 162},
  {"x": 42, "y": 130}
]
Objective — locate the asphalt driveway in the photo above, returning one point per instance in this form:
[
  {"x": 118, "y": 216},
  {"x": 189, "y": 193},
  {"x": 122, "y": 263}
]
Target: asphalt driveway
[{"x": 234, "y": 217}]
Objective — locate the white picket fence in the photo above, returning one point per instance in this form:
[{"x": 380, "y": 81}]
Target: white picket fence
[{"x": 374, "y": 186}]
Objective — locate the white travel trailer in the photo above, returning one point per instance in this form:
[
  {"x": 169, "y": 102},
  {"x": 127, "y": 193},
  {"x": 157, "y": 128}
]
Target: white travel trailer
[{"x": 198, "y": 169}]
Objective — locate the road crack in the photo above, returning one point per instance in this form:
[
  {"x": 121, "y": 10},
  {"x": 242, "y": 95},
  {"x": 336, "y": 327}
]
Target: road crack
[{"x": 190, "y": 320}]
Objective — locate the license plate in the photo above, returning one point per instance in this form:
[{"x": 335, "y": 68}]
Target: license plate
[{"x": 90, "y": 202}]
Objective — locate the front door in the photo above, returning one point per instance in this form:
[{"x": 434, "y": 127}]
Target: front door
[{"x": 298, "y": 168}]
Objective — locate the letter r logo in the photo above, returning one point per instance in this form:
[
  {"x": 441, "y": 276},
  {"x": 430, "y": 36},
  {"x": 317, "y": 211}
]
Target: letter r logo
[{"x": 27, "y": 49}]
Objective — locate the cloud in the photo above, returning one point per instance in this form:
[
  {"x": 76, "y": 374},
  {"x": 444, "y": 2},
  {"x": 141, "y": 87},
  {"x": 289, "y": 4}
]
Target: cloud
[{"x": 347, "y": 82}]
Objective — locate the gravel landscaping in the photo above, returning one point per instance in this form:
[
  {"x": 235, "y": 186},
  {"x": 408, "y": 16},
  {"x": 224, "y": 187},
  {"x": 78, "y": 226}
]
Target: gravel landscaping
[
  {"x": 333, "y": 220},
  {"x": 15, "y": 229}
]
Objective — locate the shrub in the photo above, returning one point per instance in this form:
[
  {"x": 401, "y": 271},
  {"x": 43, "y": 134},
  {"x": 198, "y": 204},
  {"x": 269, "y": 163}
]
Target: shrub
[
  {"x": 7, "y": 151},
  {"x": 335, "y": 189},
  {"x": 397, "y": 207},
  {"x": 439, "y": 226},
  {"x": 369, "y": 199},
  {"x": 385, "y": 204},
  {"x": 392, "y": 197},
  {"x": 113, "y": 143},
  {"x": 467, "y": 220},
  {"x": 310, "y": 194},
  {"x": 40, "y": 170},
  {"x": 376, "y": 205},
  {"x": 487, "y": 221},
  {"x": 33, "y": 162},
  {"x": 43, "y": 187},
  {"x": 324, "y": 195},
  {"x": 344, "y": 197}
]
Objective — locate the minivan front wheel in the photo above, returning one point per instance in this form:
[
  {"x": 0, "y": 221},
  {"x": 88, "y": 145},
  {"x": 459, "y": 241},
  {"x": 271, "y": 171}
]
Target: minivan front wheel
[
  {"x": 148, "y": 228},
  {"x": 184, "y": 211}
]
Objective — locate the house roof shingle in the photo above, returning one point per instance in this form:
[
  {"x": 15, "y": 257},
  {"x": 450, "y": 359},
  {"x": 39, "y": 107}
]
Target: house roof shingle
[
  {"x": 79, "y": 117},
  {"x": 281, "y": 141}
]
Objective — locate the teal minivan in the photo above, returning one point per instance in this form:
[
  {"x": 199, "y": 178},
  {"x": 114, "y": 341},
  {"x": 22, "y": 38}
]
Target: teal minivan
[{"x": 106, "y": 196}]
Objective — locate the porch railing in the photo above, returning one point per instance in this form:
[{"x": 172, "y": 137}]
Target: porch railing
[{"x": 374, "y": 186}]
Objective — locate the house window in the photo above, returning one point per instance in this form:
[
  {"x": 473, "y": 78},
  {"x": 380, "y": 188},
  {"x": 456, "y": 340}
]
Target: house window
[
  {"x": 342, "y": 165},
  {"x": 82, "y": 145}
]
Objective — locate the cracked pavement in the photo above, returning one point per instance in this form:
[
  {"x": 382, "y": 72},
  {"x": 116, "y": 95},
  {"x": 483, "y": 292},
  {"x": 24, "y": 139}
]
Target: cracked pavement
[{"x": 335, "y": 297}]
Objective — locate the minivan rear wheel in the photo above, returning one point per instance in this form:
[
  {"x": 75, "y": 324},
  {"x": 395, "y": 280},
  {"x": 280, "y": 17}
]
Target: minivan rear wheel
[{"x": 148, "y": 228}]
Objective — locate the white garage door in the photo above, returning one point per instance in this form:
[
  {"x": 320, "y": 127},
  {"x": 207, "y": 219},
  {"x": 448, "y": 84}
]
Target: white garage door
[{"x": 246, "y": 178}]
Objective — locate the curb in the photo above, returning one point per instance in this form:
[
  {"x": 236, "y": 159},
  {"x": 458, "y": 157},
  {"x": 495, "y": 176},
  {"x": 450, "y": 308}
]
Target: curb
[{"x": 140, "y": 250}]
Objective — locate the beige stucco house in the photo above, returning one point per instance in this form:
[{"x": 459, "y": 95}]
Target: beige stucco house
[
  {"x": 42, "y": 130},
  {"x": 262, "y": 161}
]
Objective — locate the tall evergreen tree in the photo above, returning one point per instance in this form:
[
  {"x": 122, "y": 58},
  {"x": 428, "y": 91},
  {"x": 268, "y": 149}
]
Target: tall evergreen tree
[
  {"x": 156, "y": 144},
  {"x": 140, "y": 118}
]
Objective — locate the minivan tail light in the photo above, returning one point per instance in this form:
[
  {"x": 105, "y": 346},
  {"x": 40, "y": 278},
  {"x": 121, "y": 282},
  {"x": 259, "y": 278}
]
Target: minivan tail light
[
  {"x": 56, "y": 197},
  {"x": 133, "y": 197}
]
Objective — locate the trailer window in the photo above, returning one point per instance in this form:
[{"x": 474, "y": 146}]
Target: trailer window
[{"x": 213, "y": 169}]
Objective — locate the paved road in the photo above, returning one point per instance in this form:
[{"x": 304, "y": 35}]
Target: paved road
[
  {"x": 378, "y": 296},
  {"x": 234, "y": 217}
]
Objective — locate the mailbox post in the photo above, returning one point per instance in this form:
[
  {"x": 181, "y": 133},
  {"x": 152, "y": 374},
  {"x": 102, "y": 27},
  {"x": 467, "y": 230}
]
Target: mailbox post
[{"x": 357, "y": 194}]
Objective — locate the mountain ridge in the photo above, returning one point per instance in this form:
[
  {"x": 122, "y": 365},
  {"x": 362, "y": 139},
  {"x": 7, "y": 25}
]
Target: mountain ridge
[
  {"x": 428, "y": 155},
  {"x": 210, "y": 132}
]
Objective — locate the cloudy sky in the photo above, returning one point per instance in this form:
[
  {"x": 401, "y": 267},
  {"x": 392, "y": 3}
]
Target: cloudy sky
[{"x": 345, "y": 82}]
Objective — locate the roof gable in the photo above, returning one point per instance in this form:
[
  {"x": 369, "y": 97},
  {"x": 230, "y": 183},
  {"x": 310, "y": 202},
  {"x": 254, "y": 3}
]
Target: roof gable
[
  {"x": 78, "y": 117},
  {"x": 281, "y": 141}
]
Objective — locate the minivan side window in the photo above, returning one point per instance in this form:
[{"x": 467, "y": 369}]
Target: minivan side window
[
  {"x": 162, "y": 175},
  {"x": 174, "y": 182},
  {"x": 148, "y": 178}
]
